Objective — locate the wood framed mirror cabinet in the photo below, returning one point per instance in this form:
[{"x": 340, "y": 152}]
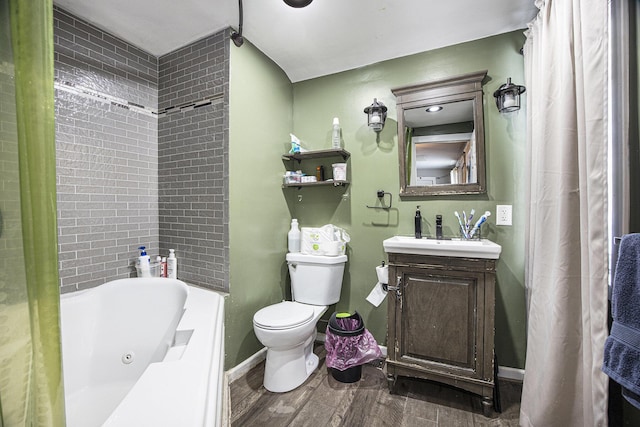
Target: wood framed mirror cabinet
[{"x": 441, "y": 145}]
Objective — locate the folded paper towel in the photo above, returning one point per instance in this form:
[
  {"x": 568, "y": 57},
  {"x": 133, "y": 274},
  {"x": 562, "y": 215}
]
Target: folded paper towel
[{"x": 378, "y": 294}]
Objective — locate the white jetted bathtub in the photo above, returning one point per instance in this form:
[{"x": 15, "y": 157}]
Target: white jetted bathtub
[{"x": 143, "y": 352}]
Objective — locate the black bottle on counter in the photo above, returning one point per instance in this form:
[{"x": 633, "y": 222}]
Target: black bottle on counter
[
  {"x": 418, "y": 223},
  {"x": 439, "y": 227}
]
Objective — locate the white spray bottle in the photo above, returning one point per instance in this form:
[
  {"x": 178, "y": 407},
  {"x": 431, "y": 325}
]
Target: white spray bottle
[
  {"x": 336, "y": 137},
  {"x": 172, "y": 265}
]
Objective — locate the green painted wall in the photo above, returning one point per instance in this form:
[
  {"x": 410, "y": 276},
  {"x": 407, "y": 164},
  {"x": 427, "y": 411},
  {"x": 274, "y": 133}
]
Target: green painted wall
[
  {"x": 265, "y": 107},
  {"x": 260, "y": 119},
  {"x": 374, "y": 166}
]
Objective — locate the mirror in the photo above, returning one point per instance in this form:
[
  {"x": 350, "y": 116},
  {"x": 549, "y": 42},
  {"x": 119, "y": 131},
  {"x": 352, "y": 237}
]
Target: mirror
[{"x": 441, "y": 136}]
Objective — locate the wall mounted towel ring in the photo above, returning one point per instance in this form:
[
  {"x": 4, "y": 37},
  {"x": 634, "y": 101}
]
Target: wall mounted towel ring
[{"x": 381, "y": 194}]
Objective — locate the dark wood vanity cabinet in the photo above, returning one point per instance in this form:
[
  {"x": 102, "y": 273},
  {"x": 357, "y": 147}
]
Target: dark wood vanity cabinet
[{"x": 441, "y": 321}]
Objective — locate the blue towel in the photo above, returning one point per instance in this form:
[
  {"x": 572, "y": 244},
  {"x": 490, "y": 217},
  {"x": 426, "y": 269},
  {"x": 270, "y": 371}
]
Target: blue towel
[{"x": 622, "y": 347}]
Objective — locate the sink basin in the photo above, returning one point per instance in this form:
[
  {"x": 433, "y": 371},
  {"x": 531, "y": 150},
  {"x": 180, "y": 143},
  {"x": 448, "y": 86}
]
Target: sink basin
[{"x": 456, "y": 248}]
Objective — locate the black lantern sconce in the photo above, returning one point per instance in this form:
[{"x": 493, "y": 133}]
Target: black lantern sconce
[
  {"x": 508, "y": 97},
  {"x": 376, "y": 115}
]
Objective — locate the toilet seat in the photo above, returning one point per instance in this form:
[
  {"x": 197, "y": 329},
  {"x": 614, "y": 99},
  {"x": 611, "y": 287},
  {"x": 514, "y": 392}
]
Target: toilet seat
[{"x": 283, "y": 315}]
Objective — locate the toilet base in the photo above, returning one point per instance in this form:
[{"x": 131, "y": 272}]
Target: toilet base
[{"x": 287, "y": 369}]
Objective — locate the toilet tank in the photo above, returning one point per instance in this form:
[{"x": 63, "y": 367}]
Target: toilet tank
[{"x": 316, "y": 279}]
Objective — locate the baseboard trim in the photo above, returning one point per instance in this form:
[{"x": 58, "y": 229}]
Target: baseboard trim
[
  {"x": 246, "y": 365},
  {"x": 508, "y": 373}
]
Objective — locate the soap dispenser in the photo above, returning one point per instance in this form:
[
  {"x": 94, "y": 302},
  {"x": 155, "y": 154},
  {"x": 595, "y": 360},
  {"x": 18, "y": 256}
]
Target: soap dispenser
[
  {"x": 439, "y": 227},
  {"x": 418, "y": 223}
]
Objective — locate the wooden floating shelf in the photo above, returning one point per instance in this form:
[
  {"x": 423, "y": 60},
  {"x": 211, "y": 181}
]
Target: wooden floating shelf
[
  {"x": 306, "y": 155},
  {"x": 316, "y": 184}
]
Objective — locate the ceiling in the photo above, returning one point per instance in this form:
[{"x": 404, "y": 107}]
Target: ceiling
[{"x": 326, "y": 37}]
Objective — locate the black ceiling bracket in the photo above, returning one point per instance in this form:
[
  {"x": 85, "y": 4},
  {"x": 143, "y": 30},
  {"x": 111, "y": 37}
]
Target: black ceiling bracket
[{"x": 236, "y": 36}]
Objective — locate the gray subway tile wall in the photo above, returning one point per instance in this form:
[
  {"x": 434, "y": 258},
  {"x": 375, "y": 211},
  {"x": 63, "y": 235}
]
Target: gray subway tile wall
[
  {"x": 106, "y": 154},
  {"x": 94, "y": 59},
  {"x": 117, "y": 181},
  {"x": 193, "y": 159}
]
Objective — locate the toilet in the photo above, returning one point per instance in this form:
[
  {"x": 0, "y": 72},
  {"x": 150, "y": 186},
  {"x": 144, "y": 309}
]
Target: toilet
[{"x": 288, "y": 329}]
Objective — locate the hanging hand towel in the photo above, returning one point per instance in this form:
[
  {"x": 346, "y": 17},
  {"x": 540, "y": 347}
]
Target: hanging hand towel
[{"x": 622, "y": 347}]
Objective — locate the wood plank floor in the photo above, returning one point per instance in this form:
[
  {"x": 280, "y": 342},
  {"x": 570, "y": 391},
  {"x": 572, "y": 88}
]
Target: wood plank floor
[{"x": 322, "y": 401}]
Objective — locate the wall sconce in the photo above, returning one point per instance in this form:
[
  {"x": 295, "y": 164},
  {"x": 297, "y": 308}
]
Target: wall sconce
[
  {"x": 508, "y": 97},
  {"x": 376, "y": 115}
]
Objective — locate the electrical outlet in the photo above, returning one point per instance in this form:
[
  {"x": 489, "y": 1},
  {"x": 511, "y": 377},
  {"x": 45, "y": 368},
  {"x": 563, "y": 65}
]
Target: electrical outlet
[{"x": 503, "y": 215}]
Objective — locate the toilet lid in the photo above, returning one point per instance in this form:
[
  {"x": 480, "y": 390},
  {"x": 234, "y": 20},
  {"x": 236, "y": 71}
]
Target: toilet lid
[{"x": 284, "y": 315}]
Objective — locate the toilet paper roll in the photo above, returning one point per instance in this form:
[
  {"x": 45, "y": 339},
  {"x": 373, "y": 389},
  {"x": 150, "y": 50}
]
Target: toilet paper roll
[
  {"x": 332, "y": 248},
  {"x": 383, "y": 273}
]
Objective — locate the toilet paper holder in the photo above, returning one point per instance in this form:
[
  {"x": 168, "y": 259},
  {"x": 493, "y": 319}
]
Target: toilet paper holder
[
  {"x": 382, "y": 272},
  {"x": 388, "y": 288},
  {"x": 397, "y": 288},
  {"x": 381, "y": 194}
]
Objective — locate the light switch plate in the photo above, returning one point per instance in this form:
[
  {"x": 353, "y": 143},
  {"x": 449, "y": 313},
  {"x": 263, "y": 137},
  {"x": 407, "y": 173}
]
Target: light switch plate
[{"x": 504, "y": 214}]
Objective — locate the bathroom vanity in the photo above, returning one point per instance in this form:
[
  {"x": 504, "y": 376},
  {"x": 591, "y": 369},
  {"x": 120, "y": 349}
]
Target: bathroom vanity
[{"x": 441, "y": 313}]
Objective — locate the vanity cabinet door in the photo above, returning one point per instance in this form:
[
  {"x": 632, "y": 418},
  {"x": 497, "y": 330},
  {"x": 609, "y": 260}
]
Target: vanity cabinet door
[
  {"x": 440, "y": 321},
  {"x": 441, "y": 316}
]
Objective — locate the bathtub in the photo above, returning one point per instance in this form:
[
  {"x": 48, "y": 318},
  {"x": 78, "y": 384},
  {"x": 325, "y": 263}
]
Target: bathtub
[{"x": 143, "y": 352}]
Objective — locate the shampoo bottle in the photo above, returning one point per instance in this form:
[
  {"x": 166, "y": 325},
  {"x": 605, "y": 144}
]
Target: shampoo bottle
[
  {"x": 172, "y": 265},
  {"x": 335, "y": 134},
  {"x": 144, "y": 263},
  {"x": 294, "y": 237},
  {"x": 163, "y": 267},
  {"x": 418, "y": 223}
]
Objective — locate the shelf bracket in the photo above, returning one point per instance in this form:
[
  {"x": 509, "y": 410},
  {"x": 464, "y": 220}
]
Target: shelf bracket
[{"x": 381, "y": 194}]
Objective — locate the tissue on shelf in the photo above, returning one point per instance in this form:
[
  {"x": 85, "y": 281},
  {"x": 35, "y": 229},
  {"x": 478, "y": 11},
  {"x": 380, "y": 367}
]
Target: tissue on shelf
[
  {"x": 296, "y": 145},
  {"x": 320, "y": 240}
]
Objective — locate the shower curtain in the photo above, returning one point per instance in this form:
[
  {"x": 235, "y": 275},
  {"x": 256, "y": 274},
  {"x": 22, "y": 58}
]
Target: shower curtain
[
  {"x": 566, "y": 268},
  {"x": 31, "y": 392}
]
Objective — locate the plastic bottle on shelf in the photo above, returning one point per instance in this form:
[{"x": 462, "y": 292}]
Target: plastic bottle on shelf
[
  {"x": 294, "y": 237},
  {"x": 144, "y": 263},
  {"x": 163, "y": 267},
  {"x": 172, "y": 265},
  {"x": 336, "y": 140}
]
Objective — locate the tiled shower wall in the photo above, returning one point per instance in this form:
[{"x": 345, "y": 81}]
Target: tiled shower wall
[
  {"x": 192, "y": 155},
  {"x": 108, "y": 165},
  {"x": 107, "y": 156}
]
